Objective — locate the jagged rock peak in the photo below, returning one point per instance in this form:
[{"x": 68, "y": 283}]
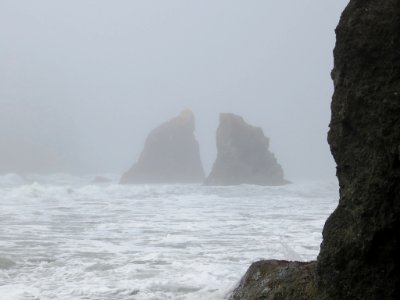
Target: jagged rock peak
[
  {"x": 243, "y": 156},
  {"x": 170, "y": 155},
  {"x": 187, "y": 117}
]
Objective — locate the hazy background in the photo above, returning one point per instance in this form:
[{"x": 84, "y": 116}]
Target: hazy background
[{"x": 82, "y": 82}]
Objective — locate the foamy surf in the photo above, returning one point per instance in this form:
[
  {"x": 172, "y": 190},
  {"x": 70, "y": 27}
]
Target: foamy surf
[{"x": 63, "y": 237}]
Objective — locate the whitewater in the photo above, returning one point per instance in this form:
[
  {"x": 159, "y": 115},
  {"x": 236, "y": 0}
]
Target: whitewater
[{"x": 64, "y": 237}]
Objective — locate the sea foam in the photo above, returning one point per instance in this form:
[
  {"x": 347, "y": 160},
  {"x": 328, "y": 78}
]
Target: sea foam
[{"x": 63, "y": 237}]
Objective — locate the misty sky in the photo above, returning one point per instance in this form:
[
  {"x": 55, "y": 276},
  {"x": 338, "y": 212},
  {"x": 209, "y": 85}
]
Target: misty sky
[{"x": 82, "y": 82}]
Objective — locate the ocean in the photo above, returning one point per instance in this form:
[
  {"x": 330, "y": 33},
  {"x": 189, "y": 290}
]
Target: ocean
[{"x": 64, "y": 237}]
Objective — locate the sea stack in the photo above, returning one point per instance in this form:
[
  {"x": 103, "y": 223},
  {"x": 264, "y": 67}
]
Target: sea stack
[
  {"x": 170, "y": 155},
  {"x": 243, "y": 155},
  {"x": 359, "y": 257}
]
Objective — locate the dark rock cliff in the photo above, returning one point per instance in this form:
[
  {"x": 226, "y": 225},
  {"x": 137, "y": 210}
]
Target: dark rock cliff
[
  {"x": 359, "y": 257},
  {"x": 170, "y": 155},
  {"x": 243, "y": 156}
]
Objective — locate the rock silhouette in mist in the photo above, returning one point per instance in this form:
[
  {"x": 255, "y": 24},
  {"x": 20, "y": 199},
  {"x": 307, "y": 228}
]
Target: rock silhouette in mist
[
  {"x": 170, "y": 155},
  {"x": 243, "y": 156},
  {"x": 359, "y": 257}
]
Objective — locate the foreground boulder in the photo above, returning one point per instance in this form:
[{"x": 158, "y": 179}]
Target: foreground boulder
[
  {"x": 359, "y": 257},
  {"x": 243, "y": 156},
  {"x": 277, "y": 279},
  {"x": 170, "y": 155}
]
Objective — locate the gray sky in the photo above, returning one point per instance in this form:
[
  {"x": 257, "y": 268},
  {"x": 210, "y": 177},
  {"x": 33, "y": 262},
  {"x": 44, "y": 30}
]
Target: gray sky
[{"x": 86, "y": 80}]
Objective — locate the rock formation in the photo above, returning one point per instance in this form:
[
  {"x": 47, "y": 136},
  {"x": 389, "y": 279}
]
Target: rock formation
[
  {"x": 170, "y": 155},
  {"x": 359, "y": 257},
  {"x": 243, "y": 156},
  {"x": 277, "y": 279}
]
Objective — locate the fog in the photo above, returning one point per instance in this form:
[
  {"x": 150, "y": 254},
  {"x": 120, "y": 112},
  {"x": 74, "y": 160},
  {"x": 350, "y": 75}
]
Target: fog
[{"x": 82, "y": 82}]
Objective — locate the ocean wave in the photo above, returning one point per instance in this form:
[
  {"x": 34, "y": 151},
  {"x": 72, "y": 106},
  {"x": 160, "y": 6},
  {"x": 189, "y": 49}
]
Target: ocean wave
[{"x": 66, "y": 238}]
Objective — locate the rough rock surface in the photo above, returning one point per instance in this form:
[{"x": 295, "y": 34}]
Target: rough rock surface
[
  {"x": 277, "y": 279},
  {"x": 170, "y": 155},
  {"x": 359, "y": 256},
  {"x": 243, "y": 156}
]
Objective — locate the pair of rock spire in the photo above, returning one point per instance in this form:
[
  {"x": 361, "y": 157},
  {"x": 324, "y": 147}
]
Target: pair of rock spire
[{"x": 171, "y": 155}]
